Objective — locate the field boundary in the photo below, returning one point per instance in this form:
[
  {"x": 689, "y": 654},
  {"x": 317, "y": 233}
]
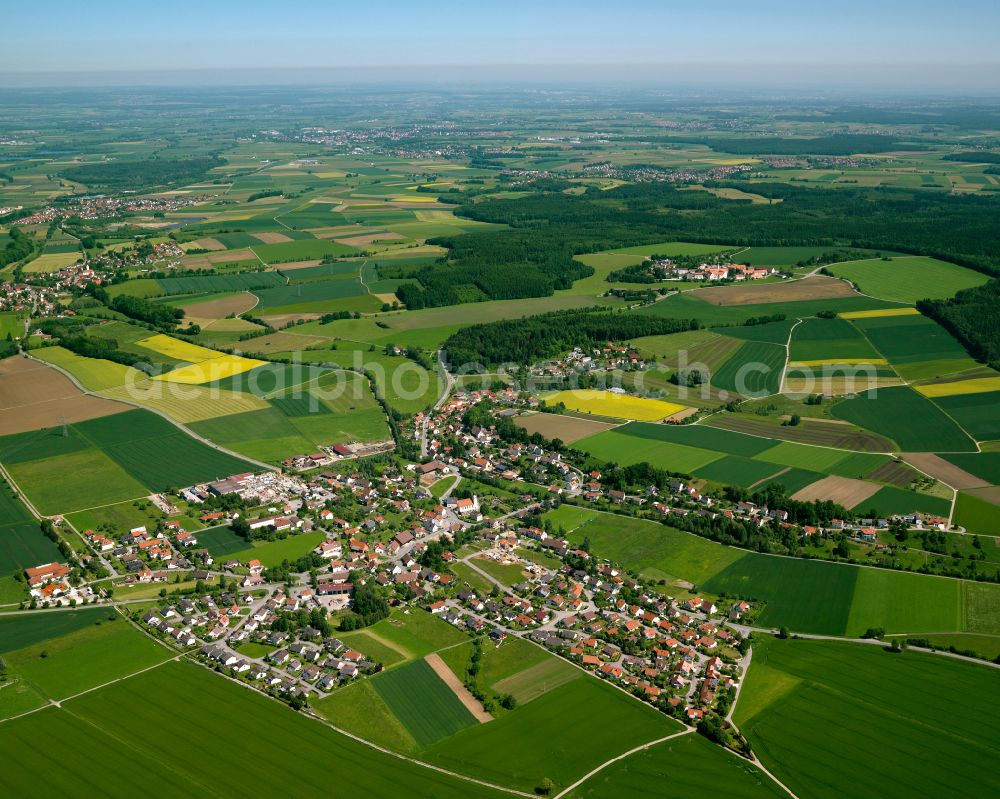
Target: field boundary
[{"x": 448, "y": 678}]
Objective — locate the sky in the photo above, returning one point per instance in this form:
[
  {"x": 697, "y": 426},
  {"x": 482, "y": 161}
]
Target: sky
[{"x": 848, "y": 42}]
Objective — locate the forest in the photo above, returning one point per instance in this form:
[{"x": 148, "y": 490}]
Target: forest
[
  {"x": 525, "y": 341},
  {"x": 134, "y": 175},
  {"x": 973, "y": 317}
]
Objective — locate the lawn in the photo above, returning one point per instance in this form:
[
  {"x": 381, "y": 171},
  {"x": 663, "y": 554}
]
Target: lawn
[
  {"x": 914, "y": 422},
  {"x": 422, "y": 702},
  {"x": 688, "y": 767},
  {"x": 272, "y": 553},
  {"x": 909, "y": 278},
  {"x": 554, "y": 736},
  {"x": 183, "y": 700},
  {"x": 879, "y": 721}
]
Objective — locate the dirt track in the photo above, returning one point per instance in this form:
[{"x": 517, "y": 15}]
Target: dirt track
[{"x": 449, "y": 678}]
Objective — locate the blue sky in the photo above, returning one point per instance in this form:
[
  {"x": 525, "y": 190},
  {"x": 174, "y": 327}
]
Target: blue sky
[{"x": 790, "y": 38}]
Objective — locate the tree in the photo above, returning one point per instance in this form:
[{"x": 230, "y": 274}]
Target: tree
[{"x": 545, "y": 787}]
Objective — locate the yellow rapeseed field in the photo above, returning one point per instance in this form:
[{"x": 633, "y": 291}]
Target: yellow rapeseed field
[
  {"x": 175, "y": 348},
  {"x": 879, "y": 313},
  {"x": 974, "y": 385},
  {"x": 217, "y": 368},
  {"x": 618, "y": 406}
]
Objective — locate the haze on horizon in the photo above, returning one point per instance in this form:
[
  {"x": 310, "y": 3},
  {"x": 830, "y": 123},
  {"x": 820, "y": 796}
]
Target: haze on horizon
[{"x": 894, "y": 44}]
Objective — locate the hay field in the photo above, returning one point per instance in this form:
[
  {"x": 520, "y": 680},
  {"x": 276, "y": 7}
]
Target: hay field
[
  {"x": 617, "y": 406},
  {"x": 93, "y": 374},
  {"x": 52, "y": 262}
]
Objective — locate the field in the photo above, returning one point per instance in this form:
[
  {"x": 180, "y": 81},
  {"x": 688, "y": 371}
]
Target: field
[
  {"x": 842, "y": 490},
  {"x": 687, "y": 767},
  {"x": 427, "y": 708},
  {"x": 868, "y": 701},
  {"x": 977, "y": 515},
  {"x": 21, "y": 541},
  {"x": 619, "y": 406},
  {"x": 817, "y": 341},
  {"x": 23, "y": 382},
  {"x": 755, "y": 369},
  {"x": 552, "y": 736},
  {"x": 817, "y": 287},
  {"x": 908, "y": 279},
  {"x": 59, "y": 667},
  {"x": 109, "y": 460},
  {"x": 116, "y": 720},
  {"x": 891, "y": 411},
  {"x": 566, "y": 428},
  {"x": 272, "y": 553},
  {"x": 809, "y": 596}
]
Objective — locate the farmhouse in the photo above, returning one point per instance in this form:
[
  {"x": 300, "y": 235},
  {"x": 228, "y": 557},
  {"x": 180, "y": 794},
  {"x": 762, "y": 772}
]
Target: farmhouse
[{"x": 46, "y": 573}]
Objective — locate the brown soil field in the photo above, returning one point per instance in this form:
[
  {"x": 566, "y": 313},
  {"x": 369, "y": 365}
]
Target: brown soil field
[
  {"x": 222, "y": 307},
  {"x": 940, "y": 469},
  {"x": 245, "y": 254},
  {"x": 807, "y": 432},
  {"x": 282, "y": 319},
  {"x": 991, "y": 494},
  {"x": 818, "y": 287},
  {"x": 566, "y": 428},
  {"x": 271, "y": 238},
  {"x": 34, "y": 396},
  {"x": 389, "y": 298},
  {"x": 370, "y": 238},
  {"x": 842, "y": 490},
  {"x": 681, "y": 415},
  {"x": 448, "y": 677}
]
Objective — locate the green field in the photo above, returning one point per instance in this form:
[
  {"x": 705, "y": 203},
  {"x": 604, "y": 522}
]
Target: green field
[
  {"x": 829, "y": 339},
  {"x": 21, "y": 541},
  {"x": 985, "y": 465},
  {"x": 176, "y": 699},
  {"x": 688, "y": 767},
  {"x": 272, "y": 553},
  {"x": 976, "y": 514},
  {"x": 911, "y": 420},
  {"x": 22, "y": 631},
  {"x": 755, "y": 369},
  {"x": 880, "y": 718},
  {"x": 909, "y": 278},
  {"x": 422, "y": 702},
  {"x": 554, "y": 736},
  {"x": 978, "y": 414},
  {"x": 220, "y": 541},
  {"x": 79, "y": 660}
]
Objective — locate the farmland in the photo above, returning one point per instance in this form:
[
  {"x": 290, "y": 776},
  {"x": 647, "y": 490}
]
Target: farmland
[
  {"x": 908, "y": 279},
  {"x": 566, "y": 428},
  {"x": 867, "y": 701},
  {"x": 620, "y": 406},
  {"x": 176, "y": 692}
]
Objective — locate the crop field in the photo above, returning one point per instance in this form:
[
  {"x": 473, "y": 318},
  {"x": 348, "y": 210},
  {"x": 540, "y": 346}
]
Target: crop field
[
  {"x": 21, "y": 541},
  {"x": 755, "y": 369},
  {"x": 868, "y": 701},
  {"x": 93, "y": 374},
  {"x": 109, "y": 460},
  {"x": 23, "y": 384},
  {"x": 177, "y": 349},
  {"x": 76, "y": 661},
  {"x": 685, "y": 767},
  {"x": 841, "y": 490},
  {"x": 977, "y": 515},
  {"x": 891, "y": 412},
  {"x": 979, "y": 414},
  {"x": 553, "y": 736},
  {"x": 975, "y": 385},
  {"x": 736, "y": 470},
  {"x": 221, "y": 541},
  {"x": 115, "y": 721},
  {"x": 670, "y": 249},
  {"x": 620, "y": 406},
  {"x": 198, "y": 284},
  {"x": 422, "y": 702},
  {"x": 770, "y": 332},
  {"x": 984, "y": 465},
  {"x": 194, "y": 403},
  {"x": 831, "y": 341},
  {"x": 916, "y": 346},
  {"x": 909, "y": 278},
  {"x": 566, "y": 428},
  {"x": 208, "y": 371},
  {"x": 880, "y": 313},
  {"x": 817, "y": 287},
  {"x": 816, "y": 433}
]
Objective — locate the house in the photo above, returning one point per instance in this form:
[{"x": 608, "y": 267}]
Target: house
[
  {"x": 46, "y": 573},
  {"x": 329, "y": 549}
]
